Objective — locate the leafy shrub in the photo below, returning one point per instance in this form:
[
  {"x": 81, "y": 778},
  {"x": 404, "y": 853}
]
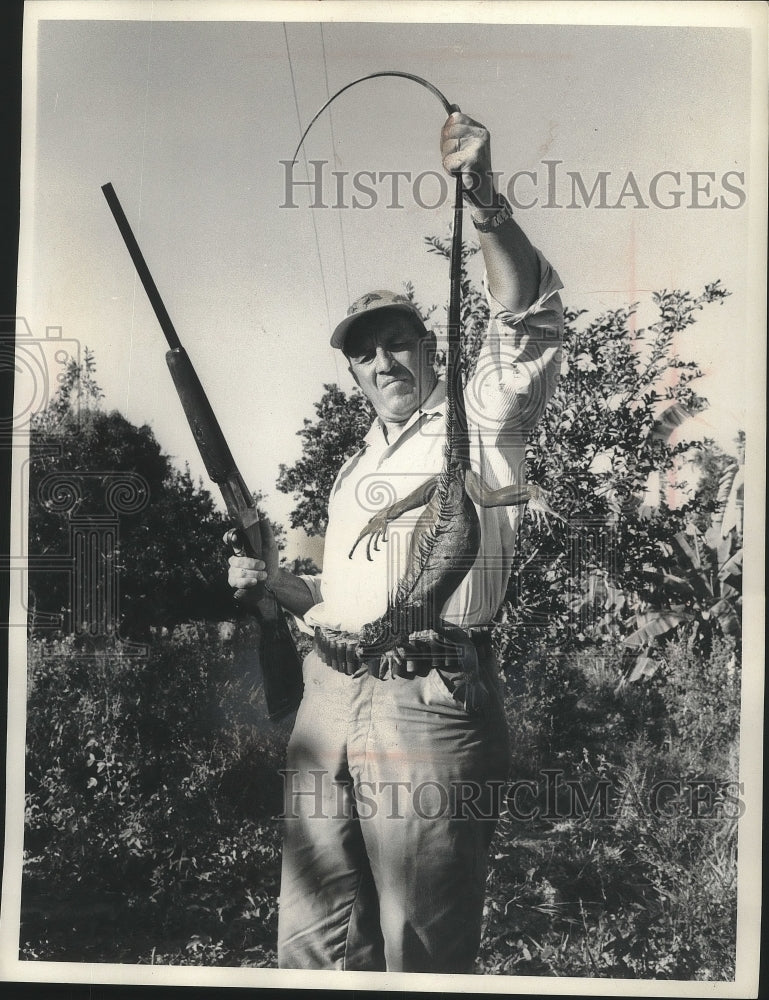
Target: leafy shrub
[
  {"x": 621, "y": 891},
  {"x": 152, "y": 787}
]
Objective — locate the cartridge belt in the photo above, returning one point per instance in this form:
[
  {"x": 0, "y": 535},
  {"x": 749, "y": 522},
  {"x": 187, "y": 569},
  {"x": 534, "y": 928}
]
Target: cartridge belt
[{"x": 425, "y": 650}]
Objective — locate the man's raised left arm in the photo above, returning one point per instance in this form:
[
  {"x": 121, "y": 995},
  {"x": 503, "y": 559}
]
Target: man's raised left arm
[
  {"x": 512, "y": 265},
  {"x": 523, "y": 346}
]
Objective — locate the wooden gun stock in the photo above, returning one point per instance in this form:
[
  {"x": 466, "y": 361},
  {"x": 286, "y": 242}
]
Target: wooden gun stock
[{"x": 280, "y": 663}]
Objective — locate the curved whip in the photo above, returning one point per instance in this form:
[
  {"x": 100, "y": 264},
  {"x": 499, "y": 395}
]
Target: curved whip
[{"x": 448, "y": 107}]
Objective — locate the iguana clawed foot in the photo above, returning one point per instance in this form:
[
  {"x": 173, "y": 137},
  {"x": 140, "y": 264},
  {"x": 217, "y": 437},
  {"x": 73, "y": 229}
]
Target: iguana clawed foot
[
  {"x": 376, "y": 529},
  {"x": 479, "y": 493},
  {"x": 509, "y": 496},
  {"x": 541, "y": 510}
]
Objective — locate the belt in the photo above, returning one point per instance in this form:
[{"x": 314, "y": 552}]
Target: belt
[{"x": 425, "y": 650}]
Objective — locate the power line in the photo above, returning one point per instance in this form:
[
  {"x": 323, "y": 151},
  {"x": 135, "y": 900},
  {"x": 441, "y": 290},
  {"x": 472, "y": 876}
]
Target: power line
[
  {"x": 333, "y": 146},
  {"x": 307, "y": 170},
  {"x": 139, "y": 213}
]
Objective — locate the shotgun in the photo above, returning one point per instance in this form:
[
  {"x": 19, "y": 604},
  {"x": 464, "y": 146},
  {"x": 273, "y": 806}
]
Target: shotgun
[{"x": 278, "y": 657}]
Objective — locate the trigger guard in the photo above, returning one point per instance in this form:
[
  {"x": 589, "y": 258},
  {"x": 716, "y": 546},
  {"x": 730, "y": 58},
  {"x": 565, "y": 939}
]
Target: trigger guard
[{"x": 236, "y": 541}]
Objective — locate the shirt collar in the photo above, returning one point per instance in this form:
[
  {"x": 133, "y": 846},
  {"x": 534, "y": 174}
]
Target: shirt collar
[{"x": 435, "y": 404}]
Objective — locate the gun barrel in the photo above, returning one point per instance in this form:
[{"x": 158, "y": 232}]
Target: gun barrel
[
  {"x": 281, "y": 666},
  {"x": 205, "y": 428},
  {"x": 141, "y": 267}
]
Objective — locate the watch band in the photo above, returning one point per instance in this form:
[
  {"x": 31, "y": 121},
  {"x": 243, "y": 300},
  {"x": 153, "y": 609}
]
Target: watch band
[{"x": 504, "y": 213}]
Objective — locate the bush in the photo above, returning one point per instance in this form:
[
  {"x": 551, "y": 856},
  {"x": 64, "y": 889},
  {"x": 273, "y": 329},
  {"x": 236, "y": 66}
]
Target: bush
[
  {"x": 620, "y": 891},
  {"x": 152, "y": 787}
]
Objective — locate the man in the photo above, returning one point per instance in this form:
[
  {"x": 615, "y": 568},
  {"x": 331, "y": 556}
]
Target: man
[{"x": 392, "y": 785}]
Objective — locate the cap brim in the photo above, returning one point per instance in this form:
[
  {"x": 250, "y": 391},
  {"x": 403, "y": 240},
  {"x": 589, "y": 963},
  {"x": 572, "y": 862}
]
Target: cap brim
[{"x": 340, "y": 333}]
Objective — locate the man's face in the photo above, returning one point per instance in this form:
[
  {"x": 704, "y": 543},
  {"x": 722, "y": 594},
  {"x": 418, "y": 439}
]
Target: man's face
[{"x": 392, "y": 364}]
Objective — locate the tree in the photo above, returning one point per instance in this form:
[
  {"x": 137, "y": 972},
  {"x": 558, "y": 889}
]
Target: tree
[
  {"x": 700, "y": 587},
  {"x": 601, "y": 453},
  {"x": 101, "y": 490},
  {"x": 342, "y": 421},
  {"x": 716, "y": 469}
]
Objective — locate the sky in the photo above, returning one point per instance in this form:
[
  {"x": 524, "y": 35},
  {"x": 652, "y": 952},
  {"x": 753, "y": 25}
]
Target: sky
[{"x": 191, "y": 119}]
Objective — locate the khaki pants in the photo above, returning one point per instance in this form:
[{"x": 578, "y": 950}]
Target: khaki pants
[{"x": 392, "y": 793}]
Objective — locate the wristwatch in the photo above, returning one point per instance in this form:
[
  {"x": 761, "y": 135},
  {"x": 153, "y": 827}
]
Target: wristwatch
[{"x": 503, "y": 213}]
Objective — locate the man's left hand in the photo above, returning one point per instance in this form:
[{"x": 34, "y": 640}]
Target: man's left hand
[{"x": 466, "y": 149}]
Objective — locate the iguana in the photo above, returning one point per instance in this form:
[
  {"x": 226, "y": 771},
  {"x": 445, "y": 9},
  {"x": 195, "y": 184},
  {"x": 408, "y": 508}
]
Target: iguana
[{"x": 446, "y": 538}]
